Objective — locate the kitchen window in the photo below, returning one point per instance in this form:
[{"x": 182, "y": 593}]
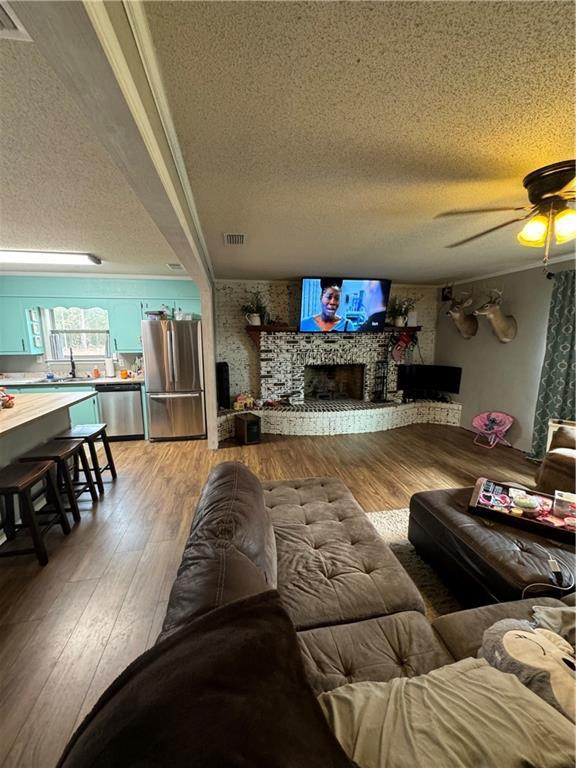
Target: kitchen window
[{"x": 85, "y": 331}]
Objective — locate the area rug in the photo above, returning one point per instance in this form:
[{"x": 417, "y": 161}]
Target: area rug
[{"x": 392, "y": 525}]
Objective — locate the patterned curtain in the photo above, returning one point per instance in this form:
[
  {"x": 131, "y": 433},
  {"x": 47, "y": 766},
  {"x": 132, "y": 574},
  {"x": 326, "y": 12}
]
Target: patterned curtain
[{"x": 556, "y": 396}]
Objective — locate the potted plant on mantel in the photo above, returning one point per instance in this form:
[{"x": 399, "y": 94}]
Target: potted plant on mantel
[
  {"x": 402, "y": 310},
  {"x": 396, "y": 311},
  {"x": 254, "y": 308}
]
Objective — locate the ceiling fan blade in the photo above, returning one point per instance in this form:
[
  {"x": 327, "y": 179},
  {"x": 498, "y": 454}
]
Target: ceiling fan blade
[
  {"x": 481, "y": 210},
  {"x": 567, "y": 189},
  {"x": 487, "y": 231}
]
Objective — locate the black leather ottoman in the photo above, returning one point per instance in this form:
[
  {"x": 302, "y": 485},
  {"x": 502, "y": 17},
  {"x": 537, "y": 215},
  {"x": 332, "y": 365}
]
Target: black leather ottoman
[{"x": 484, "y": 561}]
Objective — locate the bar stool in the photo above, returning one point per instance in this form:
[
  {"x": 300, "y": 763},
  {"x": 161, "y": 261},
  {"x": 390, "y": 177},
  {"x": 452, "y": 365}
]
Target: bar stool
[
  {"x": 90, "y": 433},
  {"x": 16, "y": 481},
  {"x": 61, "y": 451}
]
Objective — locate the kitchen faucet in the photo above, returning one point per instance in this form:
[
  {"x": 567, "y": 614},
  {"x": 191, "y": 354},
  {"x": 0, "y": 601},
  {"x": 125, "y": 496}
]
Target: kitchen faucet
[{"x": 73, "y": 364}]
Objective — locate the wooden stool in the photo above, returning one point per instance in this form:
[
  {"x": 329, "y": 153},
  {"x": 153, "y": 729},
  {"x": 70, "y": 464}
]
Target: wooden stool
[
  {"x": 90, "y": 433},
  {"x": 61, "y": 451},
  {"x": 17, "y": 480}
]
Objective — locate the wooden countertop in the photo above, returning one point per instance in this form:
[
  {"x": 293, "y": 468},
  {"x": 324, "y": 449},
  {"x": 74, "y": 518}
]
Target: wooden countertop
[{"x": 28, "y": 408}]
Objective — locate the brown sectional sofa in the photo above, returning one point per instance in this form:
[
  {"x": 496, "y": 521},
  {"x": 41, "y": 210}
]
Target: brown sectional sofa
[
  {"x": 357, "y": 613},
  {"x": 280, "y": 583}
]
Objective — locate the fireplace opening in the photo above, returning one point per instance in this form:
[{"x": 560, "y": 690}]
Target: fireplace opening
[{"x": 334, "y": 382}]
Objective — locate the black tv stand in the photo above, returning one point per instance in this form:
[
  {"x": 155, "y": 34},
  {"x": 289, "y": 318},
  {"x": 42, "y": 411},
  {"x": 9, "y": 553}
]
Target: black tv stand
[{"x": 425, "y": 394}]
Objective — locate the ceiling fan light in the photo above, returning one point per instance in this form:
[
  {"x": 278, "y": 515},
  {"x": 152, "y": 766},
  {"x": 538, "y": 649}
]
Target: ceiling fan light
[
  {"x": 533, "y": 233},
  {"x": 565, "y": 226}
]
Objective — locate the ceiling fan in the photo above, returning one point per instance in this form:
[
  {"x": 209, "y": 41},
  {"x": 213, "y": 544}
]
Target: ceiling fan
[{"x": 550, "y": 190}]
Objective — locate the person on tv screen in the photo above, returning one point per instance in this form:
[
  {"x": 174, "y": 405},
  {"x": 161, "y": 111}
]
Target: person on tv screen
[
  {"x": 375, "y": 303},
  {"x": 327, "y": 319}
]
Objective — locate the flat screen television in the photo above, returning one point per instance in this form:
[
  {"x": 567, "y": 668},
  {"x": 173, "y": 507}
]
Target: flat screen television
[
  {"x": 341, "y": 305},
  {"x": 420, "y": 381}
]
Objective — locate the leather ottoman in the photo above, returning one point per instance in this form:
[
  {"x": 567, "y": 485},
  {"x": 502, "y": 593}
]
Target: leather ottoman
[{"x": 484, "y": 561}]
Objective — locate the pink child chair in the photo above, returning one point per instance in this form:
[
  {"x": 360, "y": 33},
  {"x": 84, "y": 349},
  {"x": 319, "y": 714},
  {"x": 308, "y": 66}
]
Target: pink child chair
[{"x": 492, "y": 425}]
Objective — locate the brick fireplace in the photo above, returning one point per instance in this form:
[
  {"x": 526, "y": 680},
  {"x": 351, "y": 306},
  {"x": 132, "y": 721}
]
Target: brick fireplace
[{"x": 285, "y": 355}]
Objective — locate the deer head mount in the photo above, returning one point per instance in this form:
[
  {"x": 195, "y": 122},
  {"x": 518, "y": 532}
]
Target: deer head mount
[
  {"x": 504, "y": 326},
  {"x": 466, "y": 324}
]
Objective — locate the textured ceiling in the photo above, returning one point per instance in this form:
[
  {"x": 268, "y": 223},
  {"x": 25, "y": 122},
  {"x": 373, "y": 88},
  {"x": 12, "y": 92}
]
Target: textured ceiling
[
  {"x": 332, "y": 133},
  {"x": 59, "y": 189}
]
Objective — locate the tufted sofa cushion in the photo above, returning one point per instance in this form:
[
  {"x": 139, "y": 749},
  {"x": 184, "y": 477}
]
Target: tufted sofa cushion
[
  {"x": 494, "y": 561},
  {"x": 231, "y": 549},
  {"x": 401, "y": 645},
  {"x": 333, "y": 567}
]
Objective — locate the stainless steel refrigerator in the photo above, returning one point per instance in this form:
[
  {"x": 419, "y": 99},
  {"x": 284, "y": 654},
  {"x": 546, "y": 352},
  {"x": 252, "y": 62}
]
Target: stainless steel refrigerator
[{"x": 174, "y": 378}]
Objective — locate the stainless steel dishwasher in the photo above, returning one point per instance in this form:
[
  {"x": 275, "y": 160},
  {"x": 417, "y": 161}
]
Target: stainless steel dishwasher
[{"x": 121, "y": 409}]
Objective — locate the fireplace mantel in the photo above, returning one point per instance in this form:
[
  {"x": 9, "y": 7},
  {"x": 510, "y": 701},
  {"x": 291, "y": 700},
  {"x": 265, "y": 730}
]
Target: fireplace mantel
[{"x": 255, "y": 331}]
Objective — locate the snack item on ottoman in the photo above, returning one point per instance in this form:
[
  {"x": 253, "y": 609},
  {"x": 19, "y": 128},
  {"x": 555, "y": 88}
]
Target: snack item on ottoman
[{"x": 542, "y": 660}]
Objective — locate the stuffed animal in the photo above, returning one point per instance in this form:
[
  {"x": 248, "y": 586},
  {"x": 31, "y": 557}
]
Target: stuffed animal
[
  {"x": 542, "y": 660},
  {"x": 243, "y": 402}
]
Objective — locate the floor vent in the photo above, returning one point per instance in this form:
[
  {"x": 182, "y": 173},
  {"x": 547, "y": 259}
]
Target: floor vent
[
  {"x": 10, "y": 25},
  {"x": 234, "y": 238},
  {"x": 175, "y": 267}
]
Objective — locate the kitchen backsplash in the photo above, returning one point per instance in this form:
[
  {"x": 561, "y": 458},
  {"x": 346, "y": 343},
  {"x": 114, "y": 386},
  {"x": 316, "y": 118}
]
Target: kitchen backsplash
[{"x": 28, "y": 366}]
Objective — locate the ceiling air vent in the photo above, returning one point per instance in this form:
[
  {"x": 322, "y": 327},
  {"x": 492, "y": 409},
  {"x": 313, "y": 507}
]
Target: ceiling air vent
[
  {"x": 10, "y": 25},
  {"x": 234, "y": 238},
  {"x": 175, "y": 267}
]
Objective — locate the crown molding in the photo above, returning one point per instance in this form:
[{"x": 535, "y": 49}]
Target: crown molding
[{"x": 99, "y": 276}]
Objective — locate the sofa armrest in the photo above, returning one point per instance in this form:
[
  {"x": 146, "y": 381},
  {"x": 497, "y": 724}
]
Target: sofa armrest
[
  {"x": 563, "y": 437},
  {"x": 557, "y": 471},
  {"x": 462, "y": 632}
]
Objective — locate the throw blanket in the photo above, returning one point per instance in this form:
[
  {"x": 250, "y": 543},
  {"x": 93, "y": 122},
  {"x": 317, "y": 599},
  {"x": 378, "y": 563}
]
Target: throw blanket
[
  {"x": 465, "y": 715},
  {"x": 226, "y": 690}
]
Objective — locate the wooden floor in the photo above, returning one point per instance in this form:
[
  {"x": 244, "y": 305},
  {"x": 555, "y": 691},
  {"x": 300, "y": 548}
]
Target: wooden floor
[{"x": 67, "y": 630}]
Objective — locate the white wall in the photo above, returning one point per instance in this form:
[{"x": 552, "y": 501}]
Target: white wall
[
  {"x": 282, "y": 297},
  {"x": 495, "y": 376}
]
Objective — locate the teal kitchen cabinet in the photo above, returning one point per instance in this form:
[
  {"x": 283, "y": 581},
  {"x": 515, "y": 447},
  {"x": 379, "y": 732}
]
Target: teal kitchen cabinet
[
  {"x": 34, "y": 330},
  {"x": 86, "y": 412},
  {"x": 188, "y": 306},
  {"x": 150, "y": 305},
  {"x": 124, "y": 316},
  {"x": 13, "y": 327}
]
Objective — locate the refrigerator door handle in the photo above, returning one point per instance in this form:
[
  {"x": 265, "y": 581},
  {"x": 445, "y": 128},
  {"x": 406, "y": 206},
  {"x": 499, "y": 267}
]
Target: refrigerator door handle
[
  {"x": 175, "y": 395},
  {"x": 170, "y": 348},
  {"x": 200, "y": 355},
  {"x": 174, "y": 355}
]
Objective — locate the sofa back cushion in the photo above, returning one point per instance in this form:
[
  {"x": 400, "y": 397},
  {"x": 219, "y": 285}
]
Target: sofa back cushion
[
  {"x": 231, "y": 550},
  {"x": 226, "y": 690}
]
